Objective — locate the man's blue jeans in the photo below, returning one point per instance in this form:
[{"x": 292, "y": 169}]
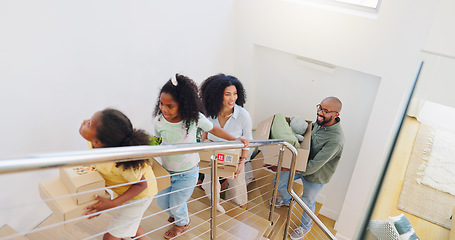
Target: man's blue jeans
[
  {"x": 310, "y": 192},
  {"x": 173, "y": 199}
]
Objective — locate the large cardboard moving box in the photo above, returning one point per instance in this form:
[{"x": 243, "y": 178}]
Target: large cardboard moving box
[
  {"x": 80, "y": 179},
  {"x": 64, "y": 208},
  {"x": 271, "y": 152}
]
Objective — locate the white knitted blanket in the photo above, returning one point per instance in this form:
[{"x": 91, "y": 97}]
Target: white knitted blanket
[{"x": 438, "y": 167}]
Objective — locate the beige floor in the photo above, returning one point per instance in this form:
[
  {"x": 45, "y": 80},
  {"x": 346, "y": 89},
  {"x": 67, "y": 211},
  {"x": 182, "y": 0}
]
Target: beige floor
[{"x": 387, "y": 201}]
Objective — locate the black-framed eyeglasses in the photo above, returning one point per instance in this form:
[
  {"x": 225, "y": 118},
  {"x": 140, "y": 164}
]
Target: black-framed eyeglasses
[{"x": 323, "y": 110}]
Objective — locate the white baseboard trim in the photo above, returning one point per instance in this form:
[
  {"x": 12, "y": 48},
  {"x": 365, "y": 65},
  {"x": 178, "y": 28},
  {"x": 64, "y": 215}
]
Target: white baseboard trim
[{"x": 330, "y": 213}]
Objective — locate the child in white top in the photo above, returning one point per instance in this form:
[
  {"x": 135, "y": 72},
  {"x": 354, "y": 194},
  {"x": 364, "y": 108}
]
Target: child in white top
[{"x": 177, "y": 119}]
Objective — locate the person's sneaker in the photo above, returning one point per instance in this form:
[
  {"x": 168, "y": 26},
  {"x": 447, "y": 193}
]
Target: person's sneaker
[
  {"x": 279, "y": 202},
  {"x": 299, "y": 233}
]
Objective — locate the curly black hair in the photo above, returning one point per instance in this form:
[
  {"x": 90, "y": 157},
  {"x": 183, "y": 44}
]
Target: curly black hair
[
  {"x": 185, "y": 93},
  {"x": 115, "y": 130},
  {"x": 212, "y": 92}
]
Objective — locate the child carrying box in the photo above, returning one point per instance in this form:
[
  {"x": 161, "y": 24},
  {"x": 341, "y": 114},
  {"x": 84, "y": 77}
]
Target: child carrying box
[{"x": 111, "y": 128}]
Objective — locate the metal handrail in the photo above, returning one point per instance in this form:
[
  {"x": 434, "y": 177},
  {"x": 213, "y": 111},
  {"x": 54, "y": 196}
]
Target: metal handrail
[
  {"x": 297, "y": 199},
  {"x": 102, "y": 155},
  {"x": 116, "y": 154}
]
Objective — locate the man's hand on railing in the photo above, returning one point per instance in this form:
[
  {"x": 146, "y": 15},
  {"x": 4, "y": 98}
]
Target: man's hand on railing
[{"x": 245, "y": 141}]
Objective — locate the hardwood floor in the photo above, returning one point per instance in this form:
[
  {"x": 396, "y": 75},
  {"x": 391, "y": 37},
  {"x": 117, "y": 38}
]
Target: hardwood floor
[{"x": 387, "y": 201}]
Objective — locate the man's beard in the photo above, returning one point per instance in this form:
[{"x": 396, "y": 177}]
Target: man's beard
[{"x": 324, "y": 120}]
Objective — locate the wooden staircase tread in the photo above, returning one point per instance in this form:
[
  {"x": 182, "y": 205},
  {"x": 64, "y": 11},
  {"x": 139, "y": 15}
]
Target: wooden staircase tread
[
  {"x": 266, "y": 178},
  {"x": 200, "y": 227},
  {"x": 264, "y": 188},
  {"x": 7, "y": 231},
  {"x": 80, "y": 230},
  {"x": 236, "y": 220},
  {"x": 258, "y": 203}
]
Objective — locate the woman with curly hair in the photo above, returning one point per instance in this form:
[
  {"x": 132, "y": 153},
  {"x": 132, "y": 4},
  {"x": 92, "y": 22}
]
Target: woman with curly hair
[{"x": 223, "y": 97}]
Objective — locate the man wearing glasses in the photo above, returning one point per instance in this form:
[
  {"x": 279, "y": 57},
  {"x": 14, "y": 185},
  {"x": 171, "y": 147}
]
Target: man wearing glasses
[{"x": 327, "y": 142}]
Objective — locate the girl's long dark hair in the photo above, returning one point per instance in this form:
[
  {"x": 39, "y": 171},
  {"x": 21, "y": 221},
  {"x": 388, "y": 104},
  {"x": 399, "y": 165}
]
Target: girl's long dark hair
[
  {"x": 185, "y": 93},
  {"x": 115, "y": 130},
  {"x": 212, "y": 93}
]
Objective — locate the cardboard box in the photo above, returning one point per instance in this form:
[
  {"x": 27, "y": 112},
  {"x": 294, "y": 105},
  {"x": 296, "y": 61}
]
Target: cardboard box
[
  {"x": 225, "y": 171},
  {"x": 80, "y": 179},
  {"x": 271, "y": 152},
  {"x": 224, "y": 157},
  {"x": 7, "y": 231},
  {"x": 159, "y": 171},
  {"x": 64, "y": 208}
]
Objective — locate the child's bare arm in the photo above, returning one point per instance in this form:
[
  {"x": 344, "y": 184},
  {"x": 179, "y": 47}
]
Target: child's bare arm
[
  {"x": 219, "y": 132},
  {"x": 106, "y": 203},
  {"x": 203, "y": 136}
]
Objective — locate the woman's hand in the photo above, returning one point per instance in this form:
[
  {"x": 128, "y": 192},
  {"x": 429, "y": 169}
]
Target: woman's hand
[
  {"x": 221, "y": 133},
  {"x": 102, "y": 204},
  {"x": 245, "y": 141}
]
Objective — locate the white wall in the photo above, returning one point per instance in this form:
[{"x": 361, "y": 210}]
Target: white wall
[
  {"x": 387, "y": 46},
  {"x": 61, "y": 61},
  {"x": 294, "y": 87},
  {"x": 436, "y": 81}
]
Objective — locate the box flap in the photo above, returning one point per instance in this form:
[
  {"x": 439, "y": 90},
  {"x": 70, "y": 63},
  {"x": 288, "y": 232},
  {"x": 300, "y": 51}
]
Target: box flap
[
  {"x": 305, "y": 144},
  {"x": 263, "y": 129},
  {"x": 54, "y": 188}
]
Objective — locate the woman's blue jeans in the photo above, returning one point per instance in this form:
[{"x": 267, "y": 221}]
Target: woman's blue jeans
[{"x": 173, "y": 199}]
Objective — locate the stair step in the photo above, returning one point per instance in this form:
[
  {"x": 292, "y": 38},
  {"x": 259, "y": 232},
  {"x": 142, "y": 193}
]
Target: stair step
[
  {"x": 264, "y": 185},
  {"x": 237, "y": 221},
  {"x": 80, "y": 230},
  {"x": 258, "y": 202},
  {"x": 7, "y": 231},
  {"x": 200, "y": 227}
]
